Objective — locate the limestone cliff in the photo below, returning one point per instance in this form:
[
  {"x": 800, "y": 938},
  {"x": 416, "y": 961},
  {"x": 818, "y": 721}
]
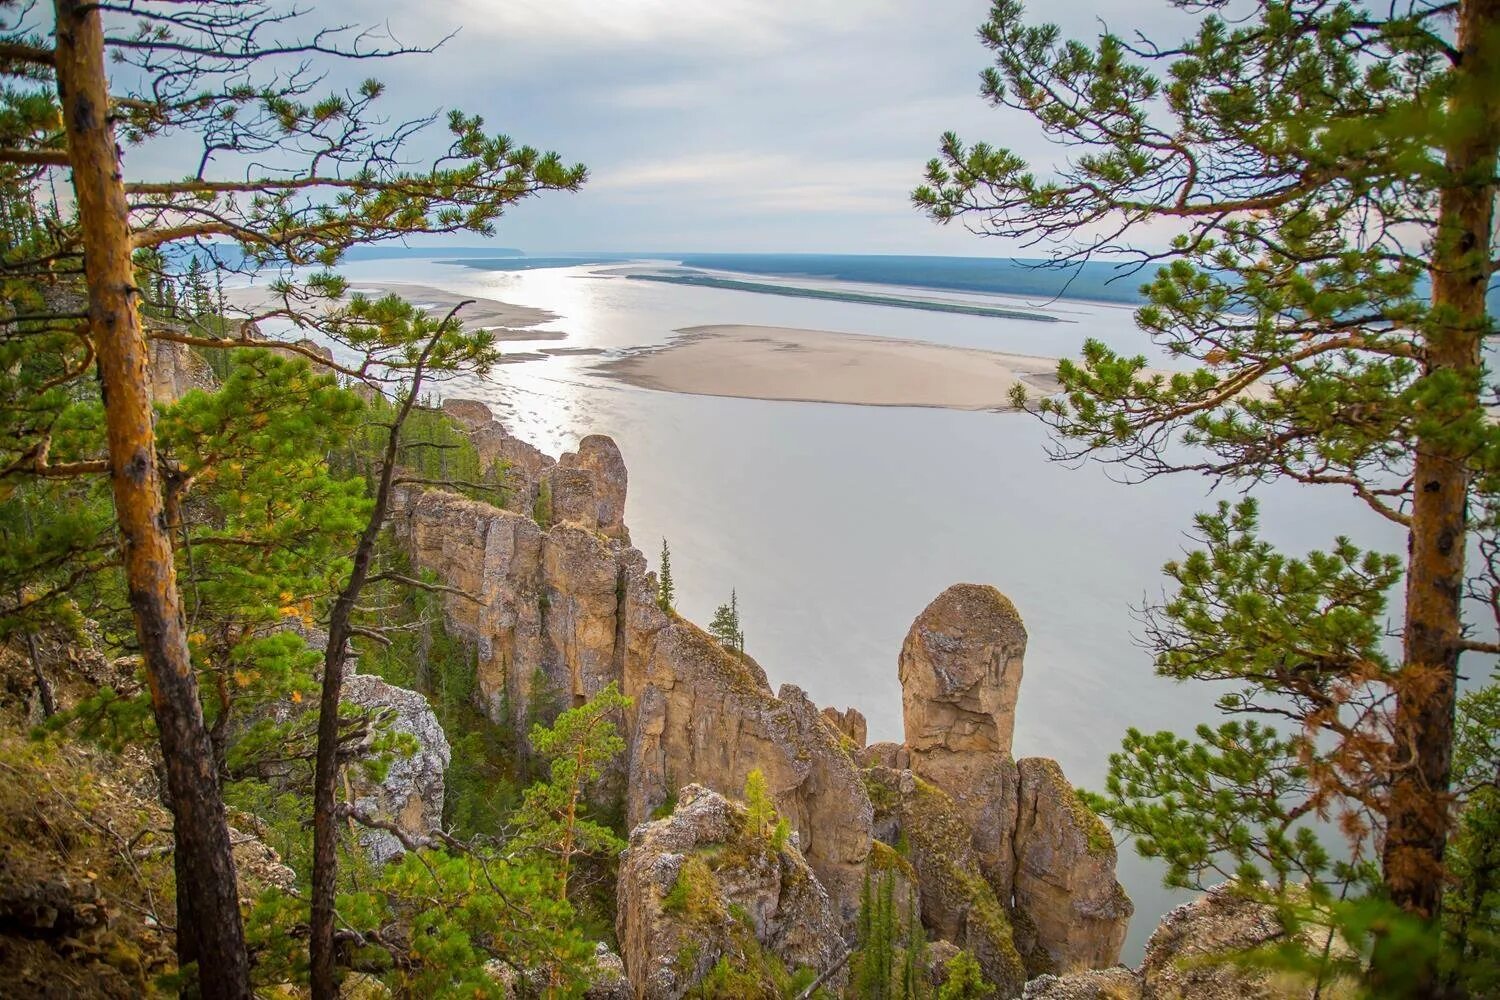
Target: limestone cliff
[
  {"x": 960, "y": 674},
  {"x": 1004, "y": 860}
]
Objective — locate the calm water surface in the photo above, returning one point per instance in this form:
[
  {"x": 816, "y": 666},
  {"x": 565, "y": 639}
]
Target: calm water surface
[{"x": 837, "y": 524}]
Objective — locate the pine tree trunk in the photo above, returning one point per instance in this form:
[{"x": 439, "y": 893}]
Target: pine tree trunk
[
  {"x": 202, "y": 835},
  {"x": 1418, "y": 815},
  {"x": 320, "y": 946}
]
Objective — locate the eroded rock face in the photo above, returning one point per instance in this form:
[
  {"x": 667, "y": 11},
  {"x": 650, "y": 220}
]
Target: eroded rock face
[
  {"x": 958, "y": 903},
  {"x": 1180, "y": 956},
  {"x": 176, "y": 370},
  {"x": 1097, "y": 984},
  {"x": 961, "y": 672},
  {"x": 960, "y": 676},
  {"x": 1065, "y": 873},
  {"x": 525, "y": 464},
  {"x": 411, "y": 793},
  {"x": 704, "y": 714},
  {"x": 496, "y": 556},
  {"x": 600, "y": 458},
  {"x": 851, "y": 723},
  {"x": 700, "y": 885}
]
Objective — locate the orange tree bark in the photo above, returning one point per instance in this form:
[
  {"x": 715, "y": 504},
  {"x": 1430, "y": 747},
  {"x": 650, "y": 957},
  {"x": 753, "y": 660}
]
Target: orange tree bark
[
  {"x": 213, "y": 931},
  {"x": 1418, "y": 821}
]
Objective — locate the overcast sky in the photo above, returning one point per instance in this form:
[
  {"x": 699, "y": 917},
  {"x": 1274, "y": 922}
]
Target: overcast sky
[{"x": 768, "y": 125}]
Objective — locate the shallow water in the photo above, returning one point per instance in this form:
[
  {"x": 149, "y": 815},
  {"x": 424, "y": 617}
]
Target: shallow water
[{"x": 837, "y": 524}]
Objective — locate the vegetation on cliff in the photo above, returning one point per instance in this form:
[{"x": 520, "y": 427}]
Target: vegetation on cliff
[{"x": 1329, "y": 175}]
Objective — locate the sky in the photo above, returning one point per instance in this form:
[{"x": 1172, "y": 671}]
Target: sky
[{"x": 719, "y": 125}]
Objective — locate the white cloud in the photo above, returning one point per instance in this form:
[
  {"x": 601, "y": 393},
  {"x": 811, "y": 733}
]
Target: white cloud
[
  {"x": 758, "y": 181},
  {"x": 611, "y": 24}
]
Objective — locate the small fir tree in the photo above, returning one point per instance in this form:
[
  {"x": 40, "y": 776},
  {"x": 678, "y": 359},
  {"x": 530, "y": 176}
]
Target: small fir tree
[
  {"x": 758, "y": 803},
  {"x": 666, "y": 590},
  {"x": 965, "y": 980},
  {"x": 553, "y": 814},
  {"x": 725, "y": 625}
]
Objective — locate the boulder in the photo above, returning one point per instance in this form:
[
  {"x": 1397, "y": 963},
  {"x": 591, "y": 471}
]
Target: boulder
[
  {"x": 1065, "y": 875},
  {"x": 411, "y": 793},
  {"x": 960, "y": 674},
  {"x": 608, "y": 980},
  {"x": 892, "y": 755},
  {"x": 471, "y": 413},
  {"x": 1190, "y": 954},
  {"x": 1096, "y": 984},
  {"x": 701, "y": 885}
]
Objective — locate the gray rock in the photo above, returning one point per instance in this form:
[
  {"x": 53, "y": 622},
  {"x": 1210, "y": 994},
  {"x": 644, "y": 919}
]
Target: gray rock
[{"x": 411, "y": 793}]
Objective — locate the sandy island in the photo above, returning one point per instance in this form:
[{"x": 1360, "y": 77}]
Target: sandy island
[
  {"x": 769, "y": 362},
  {"x": 504, "y": 320}
]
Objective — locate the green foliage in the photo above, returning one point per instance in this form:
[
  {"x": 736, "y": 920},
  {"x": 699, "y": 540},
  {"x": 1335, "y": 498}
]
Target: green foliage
[
  {"x": 1311, "y": 341},
  {"x": 541, "y": 509},
  {"x": 666, "y": 588},
  {"x": 890, "y": 957},
  {"x": 965, "y": 980},
  {"x": 1471, "y": 909},
  {"x": 553, "y": 816},
  {"x": 694, "y": 894},
  {"x": 454, "y": 912},
  {"x": 725, "y": 625},
  {"x": 760, "y": 813}
]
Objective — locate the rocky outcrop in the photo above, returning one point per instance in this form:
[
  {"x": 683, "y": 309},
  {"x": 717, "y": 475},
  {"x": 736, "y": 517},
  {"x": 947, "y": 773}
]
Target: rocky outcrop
[
  {"x": 596, "y": 484},
  {"x": 524, "y": 464},
  {"x": 1065, "y": 875},
  {"x": 960, "y": 675},
  {"x": 410, "y": 795},
  {"x": 701, "y": 885},
  {"x": 849, "y": 723},
  {"x": 958, "y": 903},
  {"x": 176, "y": 370},
  {"x": 1097, "y": 984},
  {"x": 704, "y": 714},
  {"x": 560, "y": 609},
  {"x": 1190, "y": 956},
  {"x": 608, "y": 980}
]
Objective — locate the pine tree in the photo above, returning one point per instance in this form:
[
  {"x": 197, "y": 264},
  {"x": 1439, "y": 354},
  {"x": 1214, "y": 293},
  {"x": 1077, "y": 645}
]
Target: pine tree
[
  {"x": 965, "y": 980},
  {"x": 760, "y": 813},
  {"x": 1331, "y": 348},
  {"x": 553, "y": 817},
  {"x": 62, "y": 436},
  {"x": 725, "y": 625},
  {"x": 666, "y": 590},
  {"x": 914, "y": 957}
]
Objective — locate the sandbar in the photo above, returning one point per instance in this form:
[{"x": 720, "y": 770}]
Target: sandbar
[
  {"x": 783, "y": 363},
  {"x": 504, "y": 320}
]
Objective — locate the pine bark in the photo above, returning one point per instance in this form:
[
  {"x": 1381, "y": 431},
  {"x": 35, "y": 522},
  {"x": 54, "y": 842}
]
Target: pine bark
[
  {"x": 1418, "y": 820},
  {"x": 214, "y": 934}
]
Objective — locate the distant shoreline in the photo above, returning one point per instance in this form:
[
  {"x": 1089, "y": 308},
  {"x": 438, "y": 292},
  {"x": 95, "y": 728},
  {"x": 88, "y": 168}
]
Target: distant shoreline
[
  {"x": 820, "y": 366},
  {"x": 862, "y": 298},
  {"x": 505, "y": 321}
]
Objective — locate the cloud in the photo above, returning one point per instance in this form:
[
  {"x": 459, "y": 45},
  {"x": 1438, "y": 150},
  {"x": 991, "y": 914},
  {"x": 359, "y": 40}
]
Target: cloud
[
  {"x": 756, "y": 181},
  {"x": 742, "y": 25}
]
